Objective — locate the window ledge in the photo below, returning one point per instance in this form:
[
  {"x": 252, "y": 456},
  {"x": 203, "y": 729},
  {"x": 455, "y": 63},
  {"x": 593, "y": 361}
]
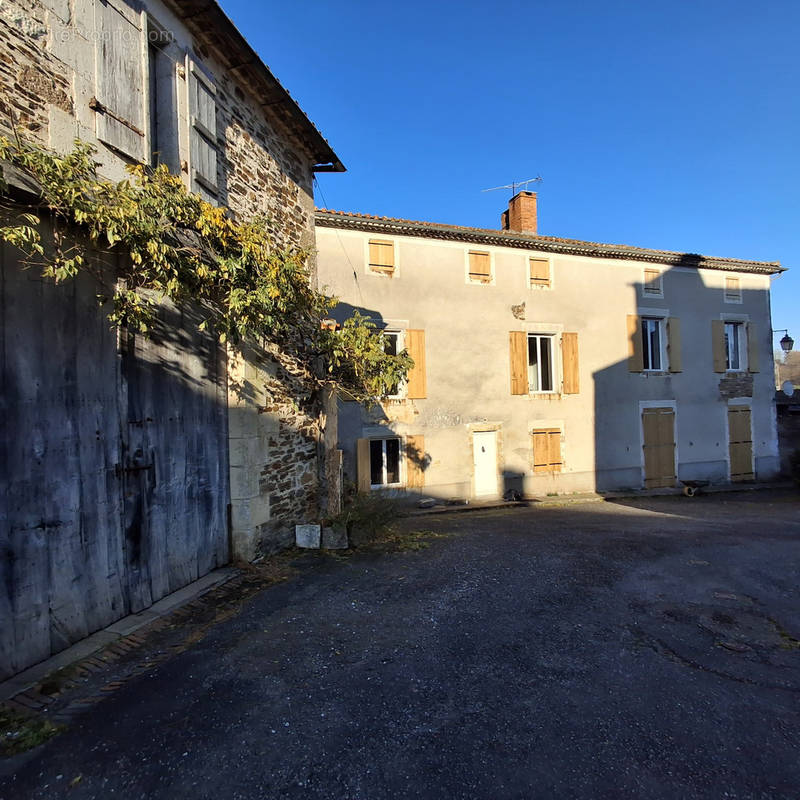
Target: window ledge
[{"x": 656, "y": 373}]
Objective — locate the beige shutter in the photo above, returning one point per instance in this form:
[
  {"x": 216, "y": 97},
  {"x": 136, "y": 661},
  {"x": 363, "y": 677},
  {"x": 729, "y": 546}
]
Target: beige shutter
[
  {"x": 480, "y": 268},
  {"x": 569, "y": 362},
  {"x": 674, "y": 344},
  {"x": 363, "y": 465},
  {"x": 718, "y": 345},
  {"x": 733, "y": 289},
  {"x": 381, "y": 255},
  {"x": 554, "y": 448},
  {"x": 119, "y": 79},
  {"x": 415, "y": 462},
  {"x": 541, "y": 451},
  {"x": 652, "y": 281},
  {"x": 518, "y": 346},
  {"x": 740, "y": 443},
  {"x": 203, "y": 128},
  {"x": 547, "y": 450},
  {"x": 539, "y": 271},
  {"x": 752, "y": 347},
  {"x": 417, "y": 381},
  {"x": 635, "y": 345},
  {"x": 659, "y": 447}
]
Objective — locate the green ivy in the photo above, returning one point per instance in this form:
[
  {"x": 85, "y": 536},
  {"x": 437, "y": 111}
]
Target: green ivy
[{"x": 183, "y": 248}]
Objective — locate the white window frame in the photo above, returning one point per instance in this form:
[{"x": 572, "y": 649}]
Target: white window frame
[
  {"x": 400, "y": 463},
  {"x": 740, "y": 328},
  {"x": 470, "y": 281},
  {"x": 659, "y": 288},
  {"x": 554, "y": 377},
  {"x": 647, "y": 353},
  {"x": 400, "y": 337}
]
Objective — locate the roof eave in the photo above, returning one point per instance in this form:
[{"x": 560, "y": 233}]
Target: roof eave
[
  {"x": 211, "y": 26},
  {"x": 543, "y": 244}
]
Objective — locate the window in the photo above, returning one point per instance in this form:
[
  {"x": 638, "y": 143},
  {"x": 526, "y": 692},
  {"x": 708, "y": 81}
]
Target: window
[
  {"x": 651, "y": 344},
  {"x": 539, "y": 271},
  {"x": 652, "y": 283},
  {"x": 733, "y": 346},
  {"x": 384, "y": 463},
  {"x": 540, "y": 364},
  {"x": 381, "y": 256},
  {"x": 480, "y": 267},
  {"x": 733, "y": 290},
  {"x": 163, "y": 107},
  {"x": 392, "y": 345},
  {"x": 547, "y": 450}
]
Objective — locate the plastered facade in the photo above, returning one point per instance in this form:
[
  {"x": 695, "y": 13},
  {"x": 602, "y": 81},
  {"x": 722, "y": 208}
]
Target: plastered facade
[{"x": 467, "y": 327}]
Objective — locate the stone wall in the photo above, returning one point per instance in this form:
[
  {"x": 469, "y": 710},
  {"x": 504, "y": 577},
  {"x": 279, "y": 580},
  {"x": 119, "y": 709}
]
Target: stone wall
[{"x": 47, "y": 80}]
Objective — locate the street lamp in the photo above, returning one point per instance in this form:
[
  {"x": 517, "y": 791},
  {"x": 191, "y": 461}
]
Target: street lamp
[{"x": 787, "y": 343}]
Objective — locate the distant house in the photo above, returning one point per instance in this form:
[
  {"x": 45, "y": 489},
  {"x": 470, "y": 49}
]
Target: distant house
[
  {"x": 552, "y": 365},
  {"x": 131, "y": 466}
]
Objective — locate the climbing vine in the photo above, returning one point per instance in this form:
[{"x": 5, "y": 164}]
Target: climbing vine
[{"x": 179, "y": 246}]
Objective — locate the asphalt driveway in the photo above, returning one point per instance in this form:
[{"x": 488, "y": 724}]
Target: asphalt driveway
[{"x": 630, "y": 649}]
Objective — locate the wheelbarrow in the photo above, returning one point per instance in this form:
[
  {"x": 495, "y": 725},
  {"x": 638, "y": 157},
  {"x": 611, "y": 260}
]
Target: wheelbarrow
[{"x": 691, "y": 488}]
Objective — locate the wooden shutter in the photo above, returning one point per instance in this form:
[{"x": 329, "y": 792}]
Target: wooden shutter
[
  {"x": 119, "y": 80},
  {"x": 752, "y": 347},
  {"x": 547, "y": 450},
  {"x": 674, "y": 344},
  {"x": 718, "y": 345},
  {"x": 417, "y": 382},
  {"x": 635, "y": 344},
  {"x": 569, "y": 363},
  {"x": 659, "y": 447},
  {"x": 415, "y": 461},
  {"x": 541, "y": 451},
  {"x": 381, "y": 255},
  {"x": 363, "y": 465},
  {"x": 539, "y": 271},
  {"x": 652, "y": 281},
  {"x": 518, "y": 346},
  {"x": 740, "y": 443},
  {"x": 480, "y": 266},
  {"x": 733, "y": 291},
  {"x": 554, "y": 449},
  {"x": 203, "y": 128}
]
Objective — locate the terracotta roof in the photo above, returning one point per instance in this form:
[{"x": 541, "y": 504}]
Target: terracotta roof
[{"x": 328, "y": 218}]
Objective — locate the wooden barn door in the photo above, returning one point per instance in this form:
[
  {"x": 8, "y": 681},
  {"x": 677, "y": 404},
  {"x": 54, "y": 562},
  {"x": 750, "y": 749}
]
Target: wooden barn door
[
  {"x": 740, "y": 443},
  {"x": 658, "y": 425},
  {"x": 174, "y": 467}
]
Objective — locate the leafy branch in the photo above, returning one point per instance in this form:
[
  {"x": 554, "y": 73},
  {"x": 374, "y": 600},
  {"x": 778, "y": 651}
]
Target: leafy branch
[{"x": 179, "y": 246}]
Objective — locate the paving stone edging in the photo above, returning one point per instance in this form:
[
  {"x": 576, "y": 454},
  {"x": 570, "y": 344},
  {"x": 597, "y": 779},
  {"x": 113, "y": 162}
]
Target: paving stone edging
[{"x": 97, "y": 651}]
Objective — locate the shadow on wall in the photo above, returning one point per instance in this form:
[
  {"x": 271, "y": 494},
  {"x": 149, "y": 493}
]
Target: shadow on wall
[{"x": 679, "y": 402}]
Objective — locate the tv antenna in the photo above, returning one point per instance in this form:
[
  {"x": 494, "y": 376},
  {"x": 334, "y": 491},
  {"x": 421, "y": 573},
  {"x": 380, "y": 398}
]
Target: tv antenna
[{"x": 515, "y": 185}]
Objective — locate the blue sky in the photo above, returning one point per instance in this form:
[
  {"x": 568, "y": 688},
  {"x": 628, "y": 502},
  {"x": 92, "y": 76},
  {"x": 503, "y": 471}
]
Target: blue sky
[{"x": 660, "y": 124}]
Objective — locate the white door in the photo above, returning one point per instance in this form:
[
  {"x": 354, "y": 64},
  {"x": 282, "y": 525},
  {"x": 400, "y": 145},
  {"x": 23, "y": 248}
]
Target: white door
[{"x": 484, "y": 447}]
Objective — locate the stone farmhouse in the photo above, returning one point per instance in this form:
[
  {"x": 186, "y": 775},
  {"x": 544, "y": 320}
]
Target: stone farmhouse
[
  {"x": 550, "y": 365},
  {"x": 131, "y": 466}
]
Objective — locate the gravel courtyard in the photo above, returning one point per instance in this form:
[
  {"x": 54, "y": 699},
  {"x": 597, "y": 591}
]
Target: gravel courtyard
[{"x": 643, "y": 648}]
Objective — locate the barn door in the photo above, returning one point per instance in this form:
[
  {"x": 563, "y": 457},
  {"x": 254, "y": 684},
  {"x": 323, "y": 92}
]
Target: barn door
[
  {"x": 658, "y": 426},
  {"x": 740, "y": 444},
  {"x": 175, "y": 457}
]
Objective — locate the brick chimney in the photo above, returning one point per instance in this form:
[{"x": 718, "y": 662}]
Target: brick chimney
[{"x": 521, "y": 214}]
